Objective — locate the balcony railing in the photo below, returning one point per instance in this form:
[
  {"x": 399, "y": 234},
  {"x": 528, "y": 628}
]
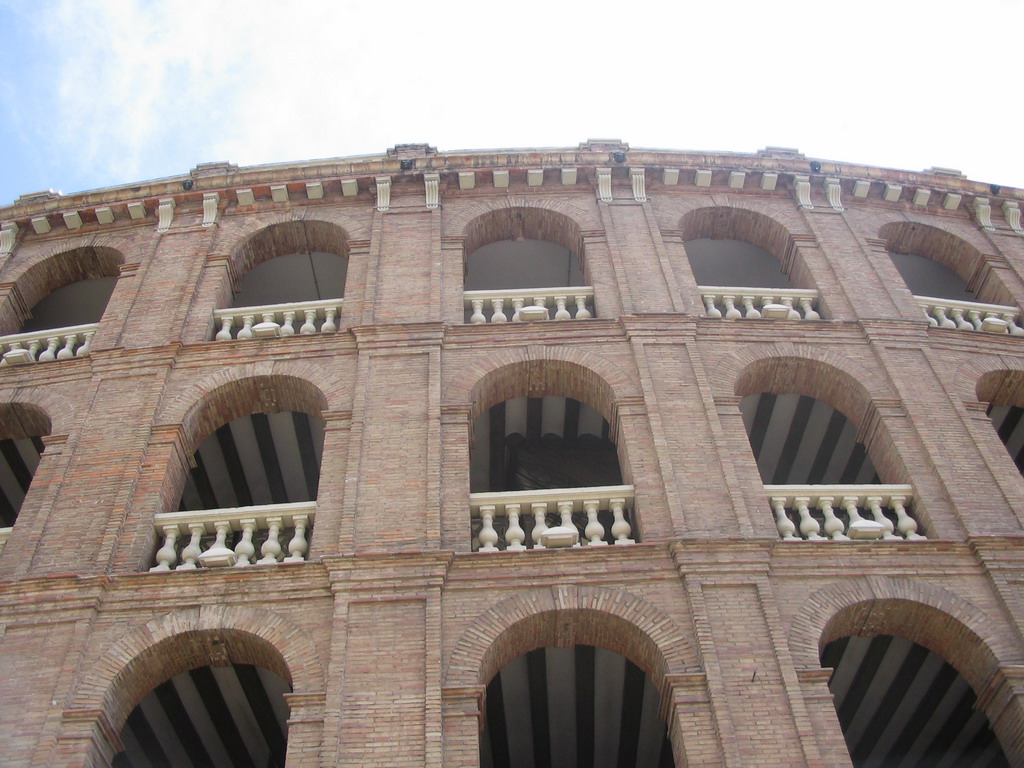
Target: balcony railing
[
  {"x": 50, "y": 344},
  {"x": 272, "y": 320},
  {"x": 970, "y": 315},
  {"x": 5, "y": 533},
  {"x": 556, "y": 517},
  {"x": 843, "y": 512},
  {"x": 753, "y": 303},
  {"x": 233, "y": 537},
  {"x": 527, "y": 304}
]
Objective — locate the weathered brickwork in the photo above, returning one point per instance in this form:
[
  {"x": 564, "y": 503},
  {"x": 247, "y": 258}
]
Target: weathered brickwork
[{"x": 392, "y": 628}]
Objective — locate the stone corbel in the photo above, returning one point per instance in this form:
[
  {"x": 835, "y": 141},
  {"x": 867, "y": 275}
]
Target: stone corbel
[
  {"x": 383, "y": 192},
  {"x": 604, "y": 184},
  {"x": 432, "y": 188},
  {"x": 802, "y": 187},
  {"x": 211, "y": 201},
  {"x": 1011, "y": 212},
  {"x": 636, "y": 177},
  {"x": 832, "y": 193},
  {"x": 983, "y": 213},
  {"x": 8, "y": 234},
  {"x": 165, "y": 211}
]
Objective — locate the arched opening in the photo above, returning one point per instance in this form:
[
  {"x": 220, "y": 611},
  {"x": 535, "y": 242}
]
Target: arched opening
[
  {"x": 21, "y": 446},
  {"x": 261, "y": 458},
  {"x": 819, "y": 476},
  {"x": 66, "y": 296},
  {"x": 904, "y": 686},
  {"x": 212, "y": 698},
  {"x": 292, "y": 281},
  {"x": 525, "y": 257},
  {"x": 578, "y": 705},
  {"x": 260, "y": 469},
  {"x": 1004, "y": 393},
  {"x": 739, "y": 260},
  {"x": 211, "y": 716},
  {"x": 543, "y": 455}
]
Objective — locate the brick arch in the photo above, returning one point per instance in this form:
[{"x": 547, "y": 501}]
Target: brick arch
[
  {"x": 178, "y": 641},
  {"x": 458, "y": 221},
  {"x": 757, "y": 227},
  {"x": 232, "y": 393},
  {"x": 46, "y": 272},
  {"x": 528, "y": 222},
  {"x": 564, "y": 616},
  {"x": 538, "y": 371},
  {"x": 947, "y": 248},
  {"x": 233, "y": 235},
  {"x": 289, "y": 235},
  {"x": 1002, "y": 385},
  {"x": 934, "y": 617},
  {"x": 39, "y": 408}
]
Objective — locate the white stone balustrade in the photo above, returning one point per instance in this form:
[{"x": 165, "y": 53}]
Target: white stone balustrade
[
  {"x": 527, "y": 304},
  {"x": 241, "y": 536},
  {"x": 753, "y": 303},
  {"x": 5, "y": 534},
  {"x": 843, "y": 512},
  {"x": 46, "y": 345},
  {"x": 970, "y": 315},
  {"x": 302, "y": 317},
  {"x": 515, "y": 521}
]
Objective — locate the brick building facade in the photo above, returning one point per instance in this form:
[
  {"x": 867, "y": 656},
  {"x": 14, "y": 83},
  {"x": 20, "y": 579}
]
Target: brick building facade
[{"x": 769, "y": 480}]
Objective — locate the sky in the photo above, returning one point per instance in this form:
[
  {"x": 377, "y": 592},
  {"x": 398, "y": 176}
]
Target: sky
[{"x": 95, "y": 93}]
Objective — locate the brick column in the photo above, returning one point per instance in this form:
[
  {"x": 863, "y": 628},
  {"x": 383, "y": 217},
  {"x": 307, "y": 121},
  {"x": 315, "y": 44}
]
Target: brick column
[
  {"x": 1003, "y": 703},
  {"x": 463, "y": 720},
  {"x": 692, "y": 729},
  {"x": 86, "y": 740},
  {"x": 305, "y": 729}
]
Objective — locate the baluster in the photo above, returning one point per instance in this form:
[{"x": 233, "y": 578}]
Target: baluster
[
  {"x": 33, "y": 349},
  {"x": 190, "y": 554},
  {"x": 1011, "y": 324},
  {"x": 787, "y": 301},
  {"x": 514, "y": 535},
  {"x": 928, "y": 312},
  {"x": 246, "y": 332},
  {"x": 807, "y": 305},
  {"x": 975, "y": 317},
  {"x": 833, "y": 525},
  {"x": 540, "y": 301},
  {"x": 517, "y": 304},
  {"x": 849, "y": 503},
  {"x": 539, "y": 509},
  {"x": 167, "y": 555},
  {"x": 497, "y": 311},
  {"x": 298, "y": 546},
  {"x": 809, "y": 527},
  {"x": 620, "y": 527},
  {"x": 785, "y": 526},
  {"x": 270, "y": 322},
  {"x": 224, "y": 334},
  {"x": 874, "y": 503},
  {"x": 271, "y": 549},
  {"x": 219, "y": 554},
  {"x": 582, "y": 313},
  {"x": 478, "y": 312},
  {"x": 245, "y": 549},
  {"x": 709, "y": 307},
  {"x": 83, "y": 351},
  {"x": 905, "y": 524},
  {"x": 594, "y": 530},
  {"x": 561, "y": 313},
  {"x": 730, "y": 308},
  {"x": 330, "y": 324},
  {"x": 69, "y": 347},
  {"x": 961, "y": 322},
  {"x": 308, "y": 326},
  {"x": 288, "y": 326},
  {"x": 50, "y": 353},
  {"x": 565, "y": 512},
  {"x": 488, "y": 536},
  {"x": 748, "y": 305},
  {"x": 940, "y": 316}
]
